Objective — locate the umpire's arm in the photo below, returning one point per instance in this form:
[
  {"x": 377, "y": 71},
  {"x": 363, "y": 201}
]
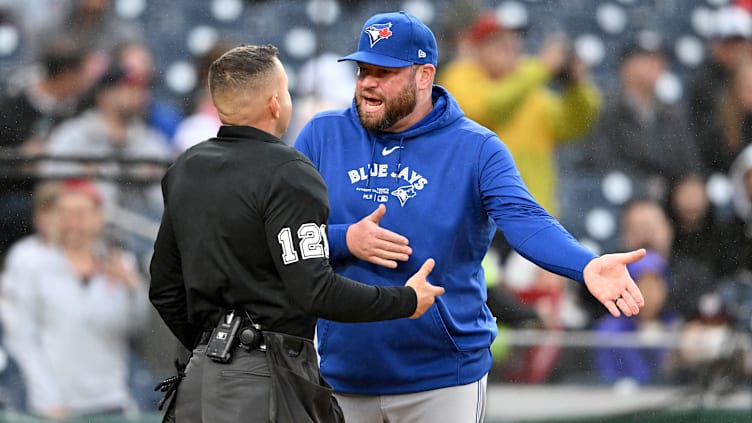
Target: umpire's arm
[{"x": 167, "y": 289}]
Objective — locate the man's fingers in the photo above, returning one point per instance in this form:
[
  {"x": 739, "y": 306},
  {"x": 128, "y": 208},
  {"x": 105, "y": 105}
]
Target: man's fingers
[
  {"x": 389, "y": 236},
  {"x": 391, "y": 255},
  {"x": 612, "y": 308},
  {"x": 635, "y": 292},
  {"x": 627, "y": 304},
  {"x": 437, "y": 290},
  {"x": 392, "y": 247},
  {"x": 426, "y": 268},
  {"x": 390, "y": 264},
  {"x": 633, "y": 256},
  {"x": 377, "y": 214}
]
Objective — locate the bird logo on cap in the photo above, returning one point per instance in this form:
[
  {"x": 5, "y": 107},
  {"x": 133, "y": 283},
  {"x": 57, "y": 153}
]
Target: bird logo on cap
[{"x": 378, "y": 32}]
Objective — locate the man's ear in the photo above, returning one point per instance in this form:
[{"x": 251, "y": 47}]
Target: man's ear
[
  {"x": 274, "y": 106},
  {"x": 425, "y": 76}
]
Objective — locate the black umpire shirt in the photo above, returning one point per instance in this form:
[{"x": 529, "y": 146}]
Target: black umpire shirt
[{"x": 244, "y": 228}]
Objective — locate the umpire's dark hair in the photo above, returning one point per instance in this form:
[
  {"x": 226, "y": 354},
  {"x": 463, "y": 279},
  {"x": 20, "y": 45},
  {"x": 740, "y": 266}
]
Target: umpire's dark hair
[
  {"x": 240, "y": 66},
  {"x": 61, "y": 54}
]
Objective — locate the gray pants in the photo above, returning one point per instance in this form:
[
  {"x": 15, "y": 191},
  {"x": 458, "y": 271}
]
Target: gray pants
[
  {"x": 213, "y": 392},
  {"x": 455, "y": 404}
]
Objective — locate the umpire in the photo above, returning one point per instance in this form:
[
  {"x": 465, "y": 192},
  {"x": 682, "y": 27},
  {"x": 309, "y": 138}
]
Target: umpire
[{"x": 240, "y": 269}]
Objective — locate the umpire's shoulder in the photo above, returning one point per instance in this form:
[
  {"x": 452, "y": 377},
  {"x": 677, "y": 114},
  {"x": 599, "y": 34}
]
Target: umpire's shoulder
[{"x": 282, "y": 155}]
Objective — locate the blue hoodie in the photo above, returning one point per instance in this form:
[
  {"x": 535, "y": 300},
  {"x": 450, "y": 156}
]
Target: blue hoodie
[{"x": 447, "y": 183}]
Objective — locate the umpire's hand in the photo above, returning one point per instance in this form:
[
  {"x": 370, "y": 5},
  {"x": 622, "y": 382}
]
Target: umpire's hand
[{"x": 425, "y": 292}]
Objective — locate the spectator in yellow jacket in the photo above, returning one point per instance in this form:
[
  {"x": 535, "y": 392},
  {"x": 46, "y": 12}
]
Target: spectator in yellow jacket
[{"x": 502, "y": 90}]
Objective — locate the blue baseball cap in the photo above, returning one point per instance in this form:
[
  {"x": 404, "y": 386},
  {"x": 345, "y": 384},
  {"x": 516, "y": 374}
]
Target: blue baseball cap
[{"x": 395, "y": 40}]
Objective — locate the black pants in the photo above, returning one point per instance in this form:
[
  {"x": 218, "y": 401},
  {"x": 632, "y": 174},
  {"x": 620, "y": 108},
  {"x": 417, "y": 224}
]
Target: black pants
[{"x": 213, "y": 392}]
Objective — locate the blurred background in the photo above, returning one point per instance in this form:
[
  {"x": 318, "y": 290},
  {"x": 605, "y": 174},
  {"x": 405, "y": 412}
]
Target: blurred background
[{"x": 630, "y": 121}]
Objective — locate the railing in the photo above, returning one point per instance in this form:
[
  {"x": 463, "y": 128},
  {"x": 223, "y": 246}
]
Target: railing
[{"x": 15, "y": 165}]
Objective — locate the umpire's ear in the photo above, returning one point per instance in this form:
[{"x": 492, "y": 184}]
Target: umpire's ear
[{"x": 274, "y": 106}]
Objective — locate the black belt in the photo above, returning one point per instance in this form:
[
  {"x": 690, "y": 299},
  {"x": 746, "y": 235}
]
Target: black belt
[{"x": 292, "y": 343}]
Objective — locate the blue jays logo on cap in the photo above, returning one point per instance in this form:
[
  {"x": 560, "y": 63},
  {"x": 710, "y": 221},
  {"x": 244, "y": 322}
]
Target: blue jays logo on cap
[
  {"x": 410, "y": 41},
  {"x": 378, "y": 32}
]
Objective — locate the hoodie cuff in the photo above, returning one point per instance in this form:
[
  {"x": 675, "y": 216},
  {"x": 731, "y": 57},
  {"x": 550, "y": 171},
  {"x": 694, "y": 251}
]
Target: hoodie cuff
[{"x": 337, "y": 235}]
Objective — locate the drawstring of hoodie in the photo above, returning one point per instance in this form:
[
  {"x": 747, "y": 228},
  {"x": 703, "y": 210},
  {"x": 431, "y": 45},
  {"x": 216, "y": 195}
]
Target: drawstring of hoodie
[
  {"x": 373, "y": 155},
  {"x": 399, "y": 158},
  {"x": 370, "y": 162}
]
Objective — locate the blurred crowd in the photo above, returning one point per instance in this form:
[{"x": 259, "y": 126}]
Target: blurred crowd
[
  {"x": 86, "y": 137},
  {"x": 696, "y": 276}
]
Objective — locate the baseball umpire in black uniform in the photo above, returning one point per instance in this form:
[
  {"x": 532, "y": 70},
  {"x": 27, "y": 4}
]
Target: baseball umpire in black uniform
[{"x": 240, "y": 269}]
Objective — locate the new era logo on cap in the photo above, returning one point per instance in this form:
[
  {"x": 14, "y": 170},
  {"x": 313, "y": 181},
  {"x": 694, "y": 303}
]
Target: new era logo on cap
[{"x": 395, "y": 40}]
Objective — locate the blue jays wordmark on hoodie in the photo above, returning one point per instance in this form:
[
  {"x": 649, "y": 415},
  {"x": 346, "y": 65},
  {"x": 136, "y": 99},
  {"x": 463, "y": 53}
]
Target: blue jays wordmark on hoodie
[{"x": 447, "y": 182}]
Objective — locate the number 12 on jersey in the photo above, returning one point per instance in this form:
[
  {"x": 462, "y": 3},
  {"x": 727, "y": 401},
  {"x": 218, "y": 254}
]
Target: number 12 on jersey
[{"x": 311, "y": 240}]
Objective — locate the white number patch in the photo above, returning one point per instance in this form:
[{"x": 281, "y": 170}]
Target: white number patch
[{"x": 312, "y": 243}]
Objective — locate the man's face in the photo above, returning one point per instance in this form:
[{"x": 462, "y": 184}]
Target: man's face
[
  {"x": 645, "y": 225},
  {"x": 645, "y": 68},
  {"x": 384, "y": 96},
  {"x": 80, "y": 218},
  {"x": 127, "y": 100},
  {"x": 500, "y": 53},
  {"x": 729, "y": 52},
  {"x": 690, "y": 200}
]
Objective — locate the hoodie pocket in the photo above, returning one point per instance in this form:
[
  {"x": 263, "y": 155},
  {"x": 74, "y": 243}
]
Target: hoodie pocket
[{"x": 441, "y": 327}]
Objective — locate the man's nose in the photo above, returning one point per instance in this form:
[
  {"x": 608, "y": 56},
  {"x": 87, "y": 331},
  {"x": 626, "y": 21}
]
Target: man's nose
[{"x": 368, "y": 80}]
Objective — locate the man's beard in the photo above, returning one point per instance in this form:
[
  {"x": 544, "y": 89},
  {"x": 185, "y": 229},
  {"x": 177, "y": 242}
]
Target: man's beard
[{"x": 394, "y": 110}]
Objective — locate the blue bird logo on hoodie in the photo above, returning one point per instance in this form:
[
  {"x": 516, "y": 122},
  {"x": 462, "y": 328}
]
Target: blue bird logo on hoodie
[{"x": 404, "y": 193}]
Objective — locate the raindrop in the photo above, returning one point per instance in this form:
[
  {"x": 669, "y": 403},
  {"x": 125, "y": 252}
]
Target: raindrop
[
  {"x": 611, "y": 18},
  {"x": 9, "y": 40},
  {"x": 201, "y": 39},
  {"x": 590, "y": 49},
  {"x": 130, "y": 9},
  {"x": 421, "y": 9},
  {"x": 512, "y": 14},
  {"x": 690, "y": 50},
  {"x": 180, "y": 77},
  {"x": 720, "y": 190},
  {"x": 323, "y": 12},
  {"x": 703, "y": 21},
  {"x": 600, "y": 223},
  {"x": 616, "y": 188},
  {"x": 300, "y": 43},
  {"x": 227, "y": 10},
  {"x": 669, "y": 88}
]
